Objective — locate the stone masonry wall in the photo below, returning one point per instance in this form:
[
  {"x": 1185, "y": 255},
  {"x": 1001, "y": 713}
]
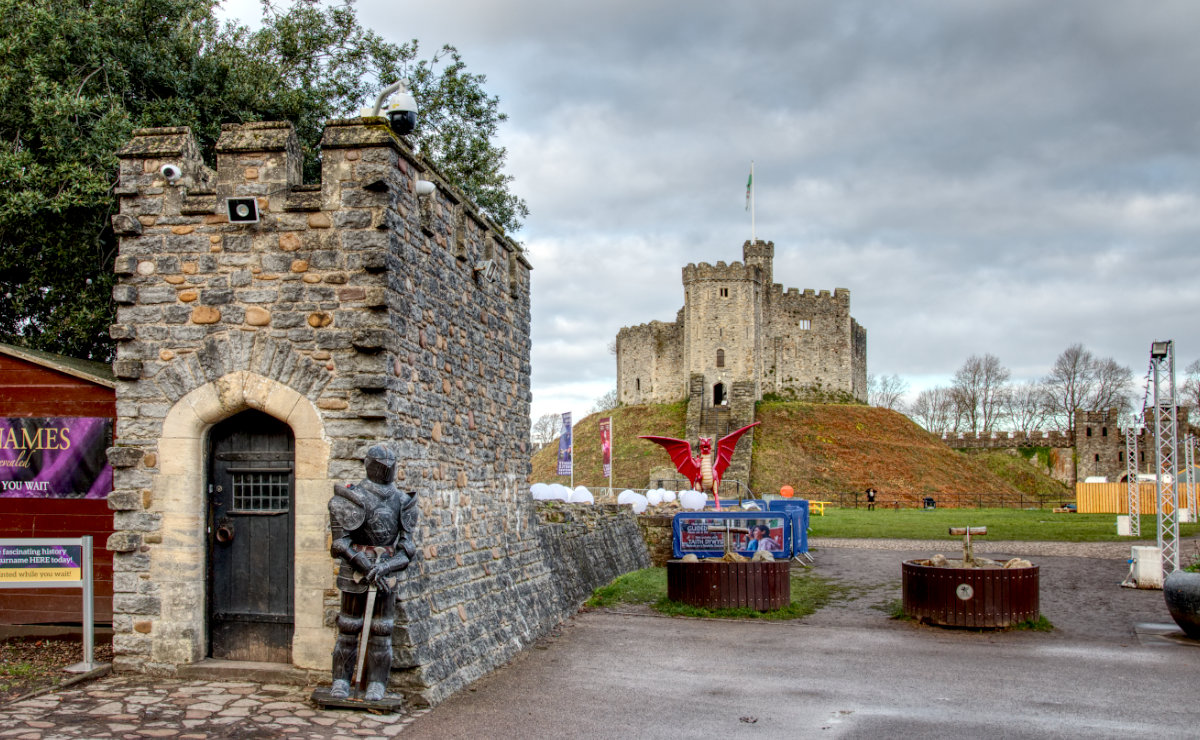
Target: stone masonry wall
[
  {"x": 813, "y": 343},
  {"x": 1095, "y": 448},
  {"x": 649, "y": 363},
  {"x": 588, "y": 546},
  {"x": 358, "y": 313}
]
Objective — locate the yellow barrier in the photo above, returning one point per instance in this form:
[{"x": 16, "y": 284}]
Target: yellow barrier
[{"x": 1113, "y": 498}]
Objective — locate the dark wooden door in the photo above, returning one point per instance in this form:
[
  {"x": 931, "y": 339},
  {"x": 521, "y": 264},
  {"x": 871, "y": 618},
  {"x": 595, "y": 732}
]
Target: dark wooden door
[{"x": 251, "y": 532}]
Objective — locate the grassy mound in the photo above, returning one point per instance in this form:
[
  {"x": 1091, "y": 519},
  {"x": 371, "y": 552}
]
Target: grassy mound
[
  {"x": 823, "y": 449},
  {"x": 1022, "y": 475},
  {"x": 818, "y": 449}
]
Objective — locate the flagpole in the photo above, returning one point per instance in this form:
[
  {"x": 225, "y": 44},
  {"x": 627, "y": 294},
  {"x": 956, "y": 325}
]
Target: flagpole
[
  {"x": 753, "y": 233},
  {"x": 612, "y": 452}
]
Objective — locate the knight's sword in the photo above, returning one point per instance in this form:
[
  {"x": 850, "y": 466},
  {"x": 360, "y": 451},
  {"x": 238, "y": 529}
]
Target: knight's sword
[{"x": 366, "y": 635}]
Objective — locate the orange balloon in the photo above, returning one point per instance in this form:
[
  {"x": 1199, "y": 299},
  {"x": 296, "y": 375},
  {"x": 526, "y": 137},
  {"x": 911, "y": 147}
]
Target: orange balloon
[{"x": 787, "y": 492}]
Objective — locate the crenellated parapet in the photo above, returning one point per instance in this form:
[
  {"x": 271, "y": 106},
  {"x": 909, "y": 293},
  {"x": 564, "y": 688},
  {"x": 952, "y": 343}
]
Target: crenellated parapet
[
  {"x": 735, "y": 271},
  {"x": 1009, "y": 439}
]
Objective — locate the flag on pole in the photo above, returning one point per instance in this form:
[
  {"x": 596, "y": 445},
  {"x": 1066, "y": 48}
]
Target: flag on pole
[
  {"x": 749, "y": 186},
  {"x": 606, "y": 444},
  {"x": 564, "y": 446}
]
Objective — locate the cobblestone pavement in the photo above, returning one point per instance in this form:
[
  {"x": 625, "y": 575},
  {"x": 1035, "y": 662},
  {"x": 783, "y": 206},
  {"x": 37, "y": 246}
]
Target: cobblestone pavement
[{"x": 131, "y": 707}]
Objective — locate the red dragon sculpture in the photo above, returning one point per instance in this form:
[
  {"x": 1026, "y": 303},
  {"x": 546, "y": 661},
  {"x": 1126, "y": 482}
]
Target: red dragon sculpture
[{"x": 704, "y": 471}]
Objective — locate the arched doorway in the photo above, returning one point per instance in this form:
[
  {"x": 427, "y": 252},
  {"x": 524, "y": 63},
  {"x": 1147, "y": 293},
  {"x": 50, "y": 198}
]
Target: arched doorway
[
  {"x": 718, "y": 394},
  {"x": 251, "y": 538}
]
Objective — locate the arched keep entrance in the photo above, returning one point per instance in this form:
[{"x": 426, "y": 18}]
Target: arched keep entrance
[
  {"x": 718, "y": 394},
  {"x": 251, "y": 538},
  {"x": 180, "y": 497}
]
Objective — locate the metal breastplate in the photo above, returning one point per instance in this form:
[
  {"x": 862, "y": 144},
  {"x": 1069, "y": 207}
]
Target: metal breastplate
[{"x": 382, "y": 523}]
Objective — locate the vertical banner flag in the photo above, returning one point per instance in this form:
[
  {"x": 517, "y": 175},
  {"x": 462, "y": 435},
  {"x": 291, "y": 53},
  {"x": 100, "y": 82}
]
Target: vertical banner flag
[
  {"x": 564, "y": 446},
  {"x": 606, "y": 444},
  {"x": 749, "y": 186}
]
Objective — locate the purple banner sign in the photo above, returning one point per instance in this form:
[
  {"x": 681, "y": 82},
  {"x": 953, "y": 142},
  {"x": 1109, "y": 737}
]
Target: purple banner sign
[
  {"x": 564, "y": 446},
  {"x": 55, "y": 458}
]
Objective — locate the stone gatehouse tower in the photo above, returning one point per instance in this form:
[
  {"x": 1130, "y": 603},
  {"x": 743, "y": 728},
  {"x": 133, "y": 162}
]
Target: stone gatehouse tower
[
  {"x": 738, "y": 336},
  {"x": 257, "y": 360}
]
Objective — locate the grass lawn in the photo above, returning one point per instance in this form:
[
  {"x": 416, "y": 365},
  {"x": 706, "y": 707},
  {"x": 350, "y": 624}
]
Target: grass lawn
[
  {"x": 1002, "y": 524},
  {"x": 649, "y": 586}
]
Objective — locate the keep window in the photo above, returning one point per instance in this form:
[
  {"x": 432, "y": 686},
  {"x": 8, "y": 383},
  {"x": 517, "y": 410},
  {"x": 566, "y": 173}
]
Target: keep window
[
  {"x": 724, "y": 292},
  {"x": 804, "y": 324},
  {"x": 720, "y": 358}
]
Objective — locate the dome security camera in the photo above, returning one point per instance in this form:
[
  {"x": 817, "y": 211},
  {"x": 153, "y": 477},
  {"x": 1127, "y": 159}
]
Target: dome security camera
[
  {"x": 401, "y": 111},
  {"x": 170, "y": 172}
]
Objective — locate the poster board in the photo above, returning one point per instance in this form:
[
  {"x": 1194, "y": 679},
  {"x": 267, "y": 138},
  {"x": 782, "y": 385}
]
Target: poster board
[
  {"x": 55, "y": 457},
  {"x": 704, "y": 533},
  {"x": 54, "y": 563}
]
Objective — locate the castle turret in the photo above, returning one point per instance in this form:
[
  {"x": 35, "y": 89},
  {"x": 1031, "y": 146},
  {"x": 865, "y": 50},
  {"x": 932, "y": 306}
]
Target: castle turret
[{"x": 760, "y": 254}]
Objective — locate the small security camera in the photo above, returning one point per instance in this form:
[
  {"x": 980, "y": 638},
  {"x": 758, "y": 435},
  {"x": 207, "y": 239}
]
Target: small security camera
[
  {"x": 488, "y": 270},
  {"x": 170, "y": 172},
  {"x": 401, "y": 110}
]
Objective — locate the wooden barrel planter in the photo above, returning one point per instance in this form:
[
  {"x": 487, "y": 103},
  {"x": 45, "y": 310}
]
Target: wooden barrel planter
[
  {"x": 720, "y": 585},
  {"x": 970, "y": 597}
]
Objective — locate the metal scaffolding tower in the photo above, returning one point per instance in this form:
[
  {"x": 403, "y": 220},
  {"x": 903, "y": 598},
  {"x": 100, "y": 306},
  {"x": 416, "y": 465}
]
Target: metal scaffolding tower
[
  {"x": 1166, "y": 441},
  {"x": 1189, "y": 443},
  {"x": 1132, "y": 486}
]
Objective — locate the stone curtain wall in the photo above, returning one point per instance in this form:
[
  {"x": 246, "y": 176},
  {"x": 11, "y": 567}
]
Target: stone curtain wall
[
  {"x": 588, "y": 546},
  {"x": 830, "y": 354},
  {"x": 354, "y": 311},
  {"x": 1097, "y": 447},
  {"x": 650, "y": 362}
]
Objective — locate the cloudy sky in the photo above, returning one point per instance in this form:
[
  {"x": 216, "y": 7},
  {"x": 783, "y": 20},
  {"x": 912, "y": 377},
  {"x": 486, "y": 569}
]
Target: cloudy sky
[{"x": 991, "y": 176}]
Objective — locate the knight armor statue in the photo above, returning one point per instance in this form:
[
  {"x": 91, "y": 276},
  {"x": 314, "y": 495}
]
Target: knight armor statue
[{"x": 373, "y": 524}]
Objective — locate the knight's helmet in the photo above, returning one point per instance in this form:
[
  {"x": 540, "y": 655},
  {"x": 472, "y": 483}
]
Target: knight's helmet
[{"x": 381, "y": 464}]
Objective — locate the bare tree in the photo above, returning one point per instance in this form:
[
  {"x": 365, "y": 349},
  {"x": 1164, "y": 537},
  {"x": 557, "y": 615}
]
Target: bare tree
[
  {"x": 606, "y": 402},
  {"x": 1069, "y": 382},
  {"x": 979, "y": 389},
  {"x": 1114, "y": 383},
  {"x": 1081, "y": 381},
  {"x": 545, "y": 429},
  {"x": 933, "y": 408},
  {"x": 886, "y": 391},
  {"x": 1025, "y": 406},
  {"x": 1189, "y": 389}
]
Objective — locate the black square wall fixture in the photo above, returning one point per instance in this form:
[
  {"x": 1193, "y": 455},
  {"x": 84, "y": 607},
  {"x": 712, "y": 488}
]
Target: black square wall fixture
[{"x": 242, "y": 210}]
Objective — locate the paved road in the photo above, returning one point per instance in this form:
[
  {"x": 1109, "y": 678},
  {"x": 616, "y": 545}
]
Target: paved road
[
  {"x": 611, "y": 675},
  {"x": 846, "y": 672}
]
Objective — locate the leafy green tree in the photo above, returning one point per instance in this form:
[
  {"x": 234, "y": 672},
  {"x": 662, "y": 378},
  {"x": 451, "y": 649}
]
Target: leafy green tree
[{"x": 77, "y": 76}]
